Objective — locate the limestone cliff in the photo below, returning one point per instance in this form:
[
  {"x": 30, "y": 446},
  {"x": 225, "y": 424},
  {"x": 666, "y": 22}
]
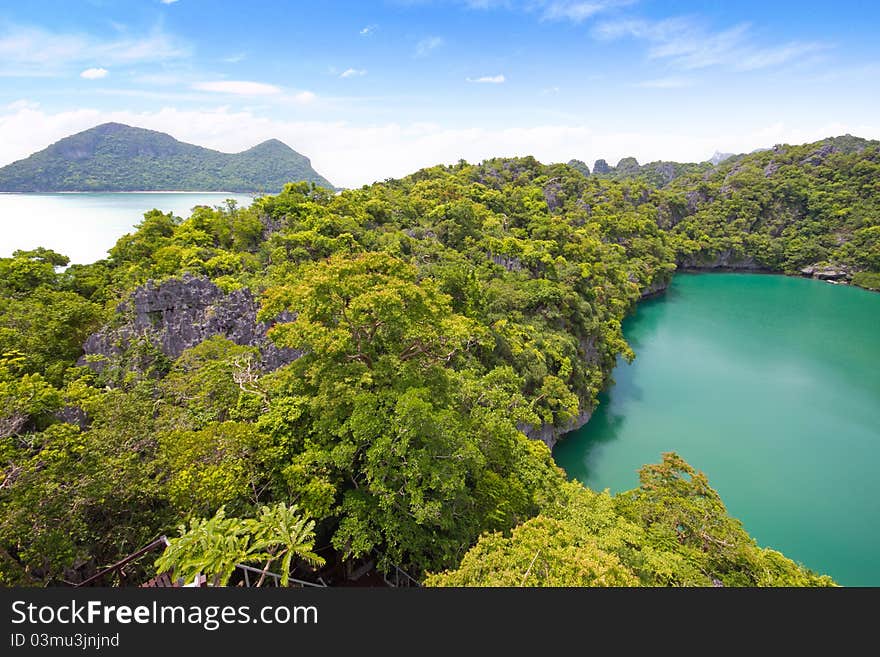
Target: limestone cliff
[
  {"x": 550, "y": 434},
  {"x": 179, "y": 313},
  {"x": 727, "y": 260}
]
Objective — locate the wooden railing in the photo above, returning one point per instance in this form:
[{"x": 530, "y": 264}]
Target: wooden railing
[{"x": 276, "y": 578}]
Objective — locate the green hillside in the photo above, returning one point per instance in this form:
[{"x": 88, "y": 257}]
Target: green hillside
[
  {"x": 809, "y": 208},
  {"x": 118, "y": 158}
]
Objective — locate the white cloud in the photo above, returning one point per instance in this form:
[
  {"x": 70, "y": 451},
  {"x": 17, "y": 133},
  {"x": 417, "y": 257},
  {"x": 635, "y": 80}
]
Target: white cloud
[
  {"x": 94, "y": 73},
  {"x": 35, "y": 51},
  {"x": 368, "y": 30},
  {"x": 426, "y": 45},
  {"x": 304, "y": 97},
  {"x": 22, "y": 104},
  {"x": 238, "y": 87},
  {"x": 488, "y": 79},
  {"x": 162, "y": 79},
  {"x": 868, "y": 72},
  {"x": 164, "y": 96},
  {"x": 767, "y": 57},
  {"x": 352, "y": 155},
  {"x": 665, "y": 83},
  {"x": 352, "y": 73},
  {"x": 236, "y": 58},
  {"x": 690, "y": 45},
  {"x": 576, "y": 11},
  {"x": 167, "y": 2}
]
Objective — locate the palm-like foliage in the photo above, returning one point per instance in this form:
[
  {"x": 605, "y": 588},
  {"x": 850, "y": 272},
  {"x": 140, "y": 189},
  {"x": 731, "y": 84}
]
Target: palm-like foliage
[
  {"x": 283, "y": 533},
  {"x": 215, "y": 546}
]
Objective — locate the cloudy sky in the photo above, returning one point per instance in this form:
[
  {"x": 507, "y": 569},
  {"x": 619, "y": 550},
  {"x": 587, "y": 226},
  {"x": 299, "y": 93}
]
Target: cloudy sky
[{"x": 375, "y": 89}]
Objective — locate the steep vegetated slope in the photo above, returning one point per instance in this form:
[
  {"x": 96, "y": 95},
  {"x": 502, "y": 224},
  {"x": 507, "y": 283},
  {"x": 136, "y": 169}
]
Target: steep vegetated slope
[
  {"x": 811, "y": 209},
  {"x": 808, "y": 209}
]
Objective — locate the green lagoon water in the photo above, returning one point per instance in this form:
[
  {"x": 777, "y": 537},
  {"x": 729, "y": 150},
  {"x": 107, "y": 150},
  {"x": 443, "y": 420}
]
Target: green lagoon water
[
  {"x": 771, "y": 386},
  {"x": 83, "y": 226}
]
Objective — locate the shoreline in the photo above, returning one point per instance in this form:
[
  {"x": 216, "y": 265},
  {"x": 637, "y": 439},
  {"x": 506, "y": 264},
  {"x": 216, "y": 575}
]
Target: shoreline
[
  {"x": 763, "y": 272},
  {"x": 558, "y": 434}
]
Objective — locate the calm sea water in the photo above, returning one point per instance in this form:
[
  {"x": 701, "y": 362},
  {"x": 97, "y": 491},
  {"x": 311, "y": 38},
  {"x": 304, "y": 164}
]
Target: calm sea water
[
  {"x": 84, "y": 226},
  {"x": 771, "y": 386}
]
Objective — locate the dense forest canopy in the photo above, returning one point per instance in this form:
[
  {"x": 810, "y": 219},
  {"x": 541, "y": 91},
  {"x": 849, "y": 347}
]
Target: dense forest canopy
[
  {"x": 373, "y": 358},
  {"x": 673, "y": 530},
  {"x": 789, "y": 209}
]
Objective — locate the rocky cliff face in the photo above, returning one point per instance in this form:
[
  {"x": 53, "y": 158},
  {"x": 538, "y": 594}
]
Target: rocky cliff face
[
  {"x": 656, "y": 288},
  {"x": 180, "y": 313},
  {"x": 601, "y": 167},
  {"x": 580, "y": 165},
  {"x": 829, "y": 272},
  {"x": 550, "y": 434},
  {"x": 726, "y": 260},
  {"x": 628, "y": 166}
]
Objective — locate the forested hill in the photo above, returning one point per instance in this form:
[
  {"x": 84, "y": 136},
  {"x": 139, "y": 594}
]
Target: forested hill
[
  {"x": 808, "y": 209},
  {"x": 378, "y": 357},
  {"x": 812, "y": 209},
  {"x": 114, "y": 157}
]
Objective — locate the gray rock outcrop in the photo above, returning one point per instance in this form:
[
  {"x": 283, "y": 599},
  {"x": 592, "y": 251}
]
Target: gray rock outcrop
[
  {"x": 717, "y": 158},
  {"x": 655, "y": 288},
  {"x": 726, "y": 260},
  {"x": 553, "y": 195},
  {"x": 666, "y": 172},
  {"x": 580, "y": 165},
  {"x": 179, "y": 313},
  {"x": 510, "y": 263},
  {"x": 828, "y": 272},
  {"x": 601, "y": 166},
  {"x": 550, "y": 434},
  {"x": 819, "y": 155},
  {"x": 694, "y": 199},
  {"x": 628, "y": 166}
]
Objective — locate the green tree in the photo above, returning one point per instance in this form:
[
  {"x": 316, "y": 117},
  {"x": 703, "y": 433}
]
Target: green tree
[
  {"x": 25, "y": 271},
  {"x": 363, "y": 309},
  {"x": 215, "y": 546},
  {"x": 540, "y": 552},
  {"x": 671, "y": 531}
]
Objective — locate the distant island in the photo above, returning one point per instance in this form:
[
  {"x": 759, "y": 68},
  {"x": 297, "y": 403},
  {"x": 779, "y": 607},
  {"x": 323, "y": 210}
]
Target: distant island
[{"x": 114, "y": 157}]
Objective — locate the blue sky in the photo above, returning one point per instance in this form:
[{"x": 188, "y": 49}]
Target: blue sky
[{"x": 370, "y": 90}]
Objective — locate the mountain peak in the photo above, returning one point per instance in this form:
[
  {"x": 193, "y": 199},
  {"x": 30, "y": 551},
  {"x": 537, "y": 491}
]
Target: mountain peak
[
  {"x": 275, "y": 145},
  {"x": 112, "y": 125},
  {"x": 272, "y": 142},
  {"x": 718, "y": 157}
]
